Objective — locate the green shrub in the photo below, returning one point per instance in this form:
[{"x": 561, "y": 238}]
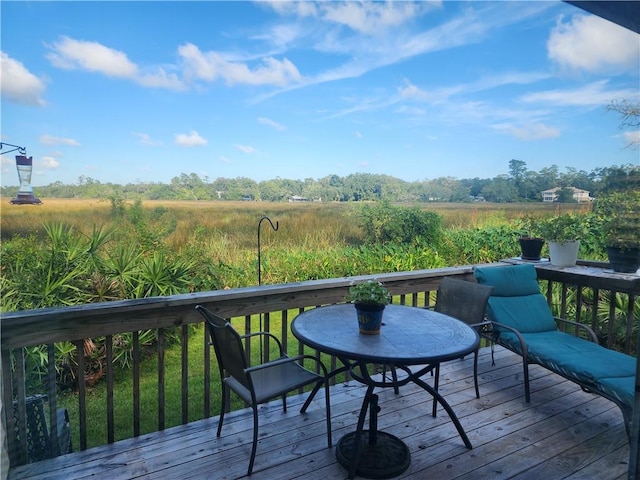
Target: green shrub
[{"x": 386, "y": 223}]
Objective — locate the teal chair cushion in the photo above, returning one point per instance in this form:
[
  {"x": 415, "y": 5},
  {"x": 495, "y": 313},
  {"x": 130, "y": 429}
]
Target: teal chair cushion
[
  {"x": 516, "y": 300},
  {"x": 621, "y": 388},
  {"x": 528, "y": 314},
  {"x": 509, "y": 281},
  {"x": 574, "y": 357}
]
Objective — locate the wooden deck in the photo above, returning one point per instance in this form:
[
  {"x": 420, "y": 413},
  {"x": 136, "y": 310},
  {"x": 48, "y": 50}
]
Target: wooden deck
[{"x": 564, "y": 433}]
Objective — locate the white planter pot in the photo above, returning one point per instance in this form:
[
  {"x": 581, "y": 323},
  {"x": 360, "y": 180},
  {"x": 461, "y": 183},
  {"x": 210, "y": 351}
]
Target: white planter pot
[{"x": 563, "y": 254}]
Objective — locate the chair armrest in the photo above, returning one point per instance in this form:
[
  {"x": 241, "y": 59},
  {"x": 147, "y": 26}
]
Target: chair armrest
[
  {"x": 586, "y": 328},
  {"x": 481, "y": 324},
  {"x": 265, "y": 334},
  {"x": 283, "y": 360},
  {"x": 484, "y": 329},
  {"x": 523, "y": 344}
]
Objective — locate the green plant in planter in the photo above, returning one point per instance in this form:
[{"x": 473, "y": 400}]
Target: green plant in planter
[
  {"x": 620, "y": 216},
  {"x": 370, "y": 292},
  {"x": 528, "y": 227},
  {"x": 562, "y": 228},
  {"x": 530, "y": 241}
]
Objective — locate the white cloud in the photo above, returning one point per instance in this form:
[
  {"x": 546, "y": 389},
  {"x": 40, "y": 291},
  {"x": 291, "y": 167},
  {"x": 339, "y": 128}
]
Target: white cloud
[
  {"x": 487, "y": 82},
  {"x": 161, "y": 79},
  {"x": 408, "y": 40},
  {"x": 145, "y": 139},
  {"x": 363, "y": 17},
  {"x": 18, "y": 84},
  {"x": 245, "y": 148},
  {"x": 632, "y": 137},
  {"x": 193, "y": 139},
  {"x": 371, "y": 17},
  {"x": 52, "y": 140},
  {"x": 413, "y": 92},
  {"x": 411, "y": 111},
  {"x": 271, "y": 123},
  {"x": 528, "y": 132},
  {"x": 224, "y": 159},
  {"x": 71, "y": 54},
  {"x": 595, "y": 45},
  {"x": 209, "y": 66},
  {"x": 301, "y": 9},
  {"x": 358, "y": 134},
  {"x": 591, "y": 94},
  {"x": 49, "y": 163},
  {"x": 281, "y": 36},
  {"x": 538, "y": 131}
]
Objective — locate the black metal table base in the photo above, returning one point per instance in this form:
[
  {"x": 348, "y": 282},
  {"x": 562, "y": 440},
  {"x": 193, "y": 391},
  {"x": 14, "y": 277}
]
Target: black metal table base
[{"x": 387, "y": 458}]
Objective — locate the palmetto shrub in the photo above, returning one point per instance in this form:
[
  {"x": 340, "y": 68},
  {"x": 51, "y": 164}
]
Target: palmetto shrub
[{"x": 69, "y": 267}]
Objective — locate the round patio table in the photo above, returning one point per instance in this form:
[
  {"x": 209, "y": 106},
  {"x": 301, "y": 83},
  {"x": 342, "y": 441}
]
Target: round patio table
[{"x": 409, "y": 336}]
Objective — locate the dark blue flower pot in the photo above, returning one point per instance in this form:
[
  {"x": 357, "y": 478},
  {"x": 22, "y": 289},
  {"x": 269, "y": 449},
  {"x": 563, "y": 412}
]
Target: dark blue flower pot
[{"x": 369, "y": 318}]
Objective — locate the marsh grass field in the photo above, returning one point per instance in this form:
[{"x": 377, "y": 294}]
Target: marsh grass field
[
  {"x": 239, "y": 219},
  {"x": 226, "y": 232}
]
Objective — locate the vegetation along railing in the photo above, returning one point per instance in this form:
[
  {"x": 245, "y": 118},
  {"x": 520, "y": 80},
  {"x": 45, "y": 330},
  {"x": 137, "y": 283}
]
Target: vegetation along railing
[{"x": 607, "y": 302}]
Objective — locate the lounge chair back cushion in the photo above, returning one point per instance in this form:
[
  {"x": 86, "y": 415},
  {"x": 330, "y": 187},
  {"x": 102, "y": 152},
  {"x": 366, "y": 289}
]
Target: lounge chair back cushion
[{"x": 516, "y": 300}]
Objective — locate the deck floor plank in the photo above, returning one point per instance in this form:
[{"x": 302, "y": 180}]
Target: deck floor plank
[{"x": 563, "y": 433}]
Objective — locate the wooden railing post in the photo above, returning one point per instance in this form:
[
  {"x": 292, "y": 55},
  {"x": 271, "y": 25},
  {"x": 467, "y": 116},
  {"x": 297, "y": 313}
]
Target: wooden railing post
[{"x": 634, "y": 443}]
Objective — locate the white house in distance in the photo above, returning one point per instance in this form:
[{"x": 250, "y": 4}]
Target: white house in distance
[{"x": 579, "y": 195}]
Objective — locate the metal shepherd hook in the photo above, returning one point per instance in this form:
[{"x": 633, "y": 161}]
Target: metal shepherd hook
[{"x": 275, "y": 229}]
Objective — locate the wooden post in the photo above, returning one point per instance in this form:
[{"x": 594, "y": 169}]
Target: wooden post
[{"x": 634, "y": 450}]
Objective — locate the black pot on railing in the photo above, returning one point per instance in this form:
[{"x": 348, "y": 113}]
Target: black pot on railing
[
  {"x": 624, "y": 260},
  {"x": 531, "y": 247}
]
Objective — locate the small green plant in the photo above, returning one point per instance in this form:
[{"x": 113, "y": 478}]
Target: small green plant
[
  {"x": 561, "y": 228},
  {"x": 528, "y": 227},
  {"x": 370, "y": 292}
]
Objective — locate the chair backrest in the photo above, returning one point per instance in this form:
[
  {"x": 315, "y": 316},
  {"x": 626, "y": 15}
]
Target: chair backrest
[
  {"x": 466, "y": 301},
  {"x": 228, "y": 347},
  {"x": 516, "y": 300}
]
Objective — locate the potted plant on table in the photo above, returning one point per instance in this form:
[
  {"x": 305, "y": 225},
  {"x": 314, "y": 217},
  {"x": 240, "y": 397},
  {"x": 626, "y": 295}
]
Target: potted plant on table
[
  {"x": 620, "y": 216},
  {"x": 562, "y": 232},
  {"x": 369, "y": 298}
]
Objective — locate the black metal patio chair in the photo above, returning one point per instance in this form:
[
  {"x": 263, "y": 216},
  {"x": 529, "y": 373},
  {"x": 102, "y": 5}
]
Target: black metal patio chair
[
  {"x": 39, "y": 443},
  {"x": 466, "y": 301},
  {"x": 260, "y": 383}
]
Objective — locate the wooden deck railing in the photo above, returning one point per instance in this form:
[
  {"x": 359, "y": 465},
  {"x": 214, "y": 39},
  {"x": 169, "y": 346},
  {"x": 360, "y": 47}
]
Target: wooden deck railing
[{"x": 75, "y": 324}]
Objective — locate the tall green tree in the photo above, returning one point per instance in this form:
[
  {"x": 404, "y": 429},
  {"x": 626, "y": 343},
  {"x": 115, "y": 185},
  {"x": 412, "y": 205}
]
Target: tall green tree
[
  {"x": 517, "y": 172},
  {"x": 501, "y": 190}
]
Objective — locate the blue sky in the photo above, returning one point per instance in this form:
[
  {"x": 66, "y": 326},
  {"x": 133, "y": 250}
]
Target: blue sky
[{"x": 143, "y": 91}]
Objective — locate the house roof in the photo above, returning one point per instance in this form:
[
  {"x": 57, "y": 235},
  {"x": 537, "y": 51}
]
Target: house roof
[
  {"x": 573, "y": 189},
  {"x": 625, "y": 14}
]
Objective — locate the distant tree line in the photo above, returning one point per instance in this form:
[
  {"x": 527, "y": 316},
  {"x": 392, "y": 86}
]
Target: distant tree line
[{"x": 518, "y": 185}]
